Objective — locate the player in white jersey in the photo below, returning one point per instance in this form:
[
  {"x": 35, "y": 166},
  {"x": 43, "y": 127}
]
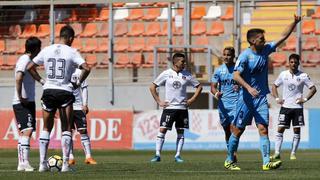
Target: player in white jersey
[
  {"x": 293, "y": 82},
  {"x": 175, "y": 106},
  {"x": 23, "y": 103},
  {"x": 80, "y": 109},
  {"x": 60, "y": 62}
]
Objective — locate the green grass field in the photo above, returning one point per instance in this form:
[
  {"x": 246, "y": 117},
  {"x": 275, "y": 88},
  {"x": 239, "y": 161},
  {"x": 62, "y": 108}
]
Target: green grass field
[{"x": 197, "y": 165}]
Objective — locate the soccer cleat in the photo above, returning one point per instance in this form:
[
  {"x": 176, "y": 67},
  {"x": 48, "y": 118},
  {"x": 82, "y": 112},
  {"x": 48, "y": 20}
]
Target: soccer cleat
[
  {"x": 271, "y": 165},
  {"x": 156, "y": 159},
  {"x": 72, "y": 162},
  {"x": 43, "y": 167},
  {"x": 231, "y": 166},
  {"x": 275, "y": 157},
  {"x": 90, "y": 161},
  {"x": 28, "y": 167},
  {"x": 293, "y": 157},
  {"x": 66, "y": 168},
  {"x": 20, "y": 167},
  {"x": 178, "y": 159}
]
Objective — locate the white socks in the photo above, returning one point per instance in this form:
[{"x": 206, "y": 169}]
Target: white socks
[
  {"x": 180, "y": 142},
  {"x": 71, "y": 156},
  {"x": 159, "y": 143},
  {"x": 24, "y": 149},
  {"x": 85, "y": 141},
  {"x": 295, "y": 143},
  {"x": 66, "y": 141},
  {"x": 278, "y": 142},
  {"x": 19, "y": 151},
  {"x": 44, "y": 140}
]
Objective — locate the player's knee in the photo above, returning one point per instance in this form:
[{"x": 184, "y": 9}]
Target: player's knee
[
  {"x": 27, "y": 132},
  {"x": 163, "y": 130}
]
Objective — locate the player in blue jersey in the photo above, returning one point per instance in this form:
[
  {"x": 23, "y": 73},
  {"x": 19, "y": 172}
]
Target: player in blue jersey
[
  {"x": 251, "y": 72},
  {"x": 226, "y": 91}
]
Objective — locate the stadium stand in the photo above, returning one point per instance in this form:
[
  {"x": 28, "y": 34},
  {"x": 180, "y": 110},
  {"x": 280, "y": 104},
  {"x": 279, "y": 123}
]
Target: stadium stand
[
  {"x": 103, "y": 15},
  {"x": 214, "y": 12},
  {"x": 137, "y": 29},
  {"x": 152, "y": 29},
  {"x": 198, "y": 12},
  {"x": 137, "y": 45},
  {"x": 103, "y": 30},
  {"x": 199, "y": 28},
  {"x": 135, "y": 14},
  {"x": 308, "y": 26},
  {"x": 90, "y": 30},
  {"x": 151, "y": 14},
  {"x": 228, "y": 14},
  {"x": 29, "y": 30},
  {"x": 310, "y": 44},
  {"x": 103, "y": 46},
  {"x": 216, "y": 28}
]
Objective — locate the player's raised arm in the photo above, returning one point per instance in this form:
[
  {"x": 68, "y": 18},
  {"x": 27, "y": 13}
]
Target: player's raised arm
[{"x": 289, "y": 30}]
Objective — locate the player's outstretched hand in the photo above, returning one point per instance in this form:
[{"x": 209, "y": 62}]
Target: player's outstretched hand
[
  {"x": 297, "y": 19},
  {"x": 301, "y": 100},
  {"x": 280, "y": 101},
  {"x": 254, "y": 93},
  {"x": 163, "y": 104},
  {"x": 85, "y": 109}
]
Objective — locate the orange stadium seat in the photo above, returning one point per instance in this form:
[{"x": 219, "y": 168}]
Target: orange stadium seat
[
  {"x": 77, "y": 44},
  {"x": 178, "y": 31},
  {"x": 147, "y": 4},
  {"x": 150, "y": 43},
  {"x": 200, "y": 41},
  {"x": 104, "y": 64},
  {"x": 314, "y": 58},
  {"x": 310, "y": 44},
  {"x": 122, "y": 60},
  {"x": 15, "y": 30},
  {"x": 216, "y": 29},
  {"x": 228, "y": 14},
  {"x": 74, "y": 15},
  {"x": 121, "y": 44},
  {"x": 278, "y": 59},
  {"x": 57, "y": 29},
  {"x": 151, "y": 14},
  {"x": 91, "y": 60},
  {"x": 135, "y": 14},
  {"x": 89, "y": 30},
  {"x": 12, "y": 46},
  {"x": 121, "y": 29},
  {"x": 137, "y": 59},
  {"x": 1, "y": 62},
  {"x": 43, "y": 30},
  {"x": 92, "y": 14},
  {"x": 199, "y": 28},
  {"x": 148, "y": 62},
  {"x": 162, "y": 4},
  {"x": 163, "y": 30},
  {"x": 28, "y": 31},
  {"x": 198, "y": 12},
  {"x": 21, "y": 49},
  {"x": 103, "y": 46},
  {"x": 290, "y": 44},
  {"x": 2, "y": 46},
  {"x": 90, "y": 45},
  {"x": 104, "y": 30},
  {"x": 11, "y": 62},
  {"x": 316, "y": 15},
  {"x": 137, "y": 29},
  {"x": 77, "y": 28},
  {"x": 103, "y": 15},
  {"x": 118, "y": 4},
  {"x": 137, "y": 45},
  {"x": 308, "y": 27},
  {"x": 152, "y": 29}
]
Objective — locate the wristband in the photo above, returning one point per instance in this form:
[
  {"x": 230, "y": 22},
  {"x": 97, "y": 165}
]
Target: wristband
[
  {"x": 216, "y": 94},
  {"x": 277, "y": 99},
  {"x": 305, "y": 99}
]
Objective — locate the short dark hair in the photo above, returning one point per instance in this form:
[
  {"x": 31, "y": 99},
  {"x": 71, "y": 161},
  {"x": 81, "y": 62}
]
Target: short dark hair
[
  {"x": 229, "y": 48},
  {"x": 67, "y": 32},
  {"x": 294, "y": 56},
  {"x": 32, "y": 44},
  {"x": 253, "y": 32},
  {"x": 177, "y": 55}
]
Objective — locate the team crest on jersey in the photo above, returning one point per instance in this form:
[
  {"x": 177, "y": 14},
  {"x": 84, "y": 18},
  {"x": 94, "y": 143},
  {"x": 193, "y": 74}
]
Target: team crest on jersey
[
  {"x": 298, "y": 79},
  {"x": 57, "y": 51},
  {"x": 291, "y": 87},
  {"x": 176, "y": 84}
]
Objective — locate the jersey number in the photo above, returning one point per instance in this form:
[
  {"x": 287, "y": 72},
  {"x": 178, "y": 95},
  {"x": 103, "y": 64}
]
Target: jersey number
[{"x": 56, "y": 68}]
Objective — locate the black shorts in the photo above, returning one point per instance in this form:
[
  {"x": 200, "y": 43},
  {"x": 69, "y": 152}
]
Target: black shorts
[
  {"x": 52, "y": 99},
  {"x": 25, "y": 115},
  {"x": 79, "y": 120},
  {"x": 179, "y": 116},
  {"x": 287, "y": 115}
]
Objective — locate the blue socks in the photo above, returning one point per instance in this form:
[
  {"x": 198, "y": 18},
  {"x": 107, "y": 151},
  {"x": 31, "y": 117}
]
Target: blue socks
[
  {"x": 265, "y": 149},
  {"x": 233, "y": 147}
]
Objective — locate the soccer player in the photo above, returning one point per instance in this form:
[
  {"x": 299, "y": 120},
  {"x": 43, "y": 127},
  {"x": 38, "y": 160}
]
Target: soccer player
[
  {"x": 251, "y": 72},
  {"x": 293, "y": 82},
  {"x": 175, "y": 106},
  {"x": 80, "y": 109},
  {"x": 23, "y": 103},
  {"x": 60, "y": 61},
  {"x": 227, "y": 92}
]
